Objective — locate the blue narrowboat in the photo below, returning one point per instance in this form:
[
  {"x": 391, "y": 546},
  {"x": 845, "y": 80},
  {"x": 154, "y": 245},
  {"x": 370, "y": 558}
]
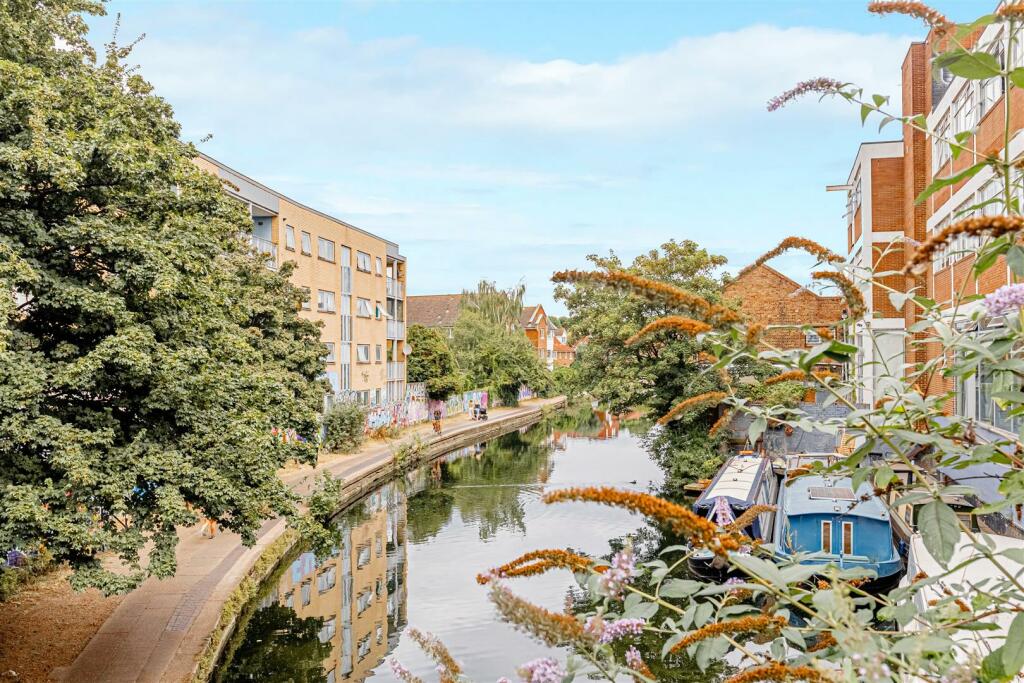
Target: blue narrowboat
[
  {"x": 823, "y": 518},
  {"x": 743, "y": 481}
]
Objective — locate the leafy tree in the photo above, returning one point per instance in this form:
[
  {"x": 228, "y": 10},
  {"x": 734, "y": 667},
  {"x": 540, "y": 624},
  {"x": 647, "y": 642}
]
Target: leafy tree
[
  {"x": 495, "y": 357},
  {"x": 146, "y": 353},
  {"x": 432, "y": 362},
  {"x": 500, "y": 307},
  {"x": 344, "y": 426},
  {"x": 660, "y": 368},
  {"x": 279, "y": 647}
]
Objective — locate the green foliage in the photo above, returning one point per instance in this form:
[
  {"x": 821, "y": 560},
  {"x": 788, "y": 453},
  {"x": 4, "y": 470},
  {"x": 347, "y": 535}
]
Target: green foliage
[
  {"x": 661, "y": 368},
  {"x": 432, "y": 362},
  {"x": 495, "y": 357},
  {"x": 279, "y": 647},
  {"x": 12, "y": 579},
  {"x": 146, "y": 353},
  {"x": 786, "y": 394},
  {"x": 501, "y": 307},
  {"x": 565, "y": 381},
  {"x": 343, "y": 427}
]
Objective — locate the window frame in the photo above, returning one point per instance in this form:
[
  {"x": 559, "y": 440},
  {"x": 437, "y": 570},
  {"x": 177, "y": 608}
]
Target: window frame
[
  {"x": 847, "y": 536},
  {"x": 826, "y": 523},
  {"x": 306, "y": 244},
  {"x": 359, "y": 262},
  {"x": 359, "y": 355},
  {"x": 330, "y": 352},
  {"x": 320, "y": 242},
  {"x": 289, "y": 237},
  {"x": 379, "y": 264},
  {"x": 307, "y": 303},
  {"x": 359, "y": 308},
  {"x": 333, "y": 298}
]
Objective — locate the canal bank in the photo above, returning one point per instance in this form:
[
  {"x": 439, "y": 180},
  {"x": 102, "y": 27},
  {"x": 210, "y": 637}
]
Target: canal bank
[{"x": 164, "y": 630}]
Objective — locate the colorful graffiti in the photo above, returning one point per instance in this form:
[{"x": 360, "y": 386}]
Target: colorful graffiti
[{"x": 416, "y": 407}]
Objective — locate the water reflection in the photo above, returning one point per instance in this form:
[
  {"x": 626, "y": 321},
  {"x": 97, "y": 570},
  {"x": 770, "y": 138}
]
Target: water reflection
[{"x": 410, "y": 551}]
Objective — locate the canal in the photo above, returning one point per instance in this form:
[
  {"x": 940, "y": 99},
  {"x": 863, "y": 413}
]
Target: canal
[{"x": 409, "y": 553}]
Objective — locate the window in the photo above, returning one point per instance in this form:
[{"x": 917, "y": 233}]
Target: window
[
  {"x": 812, "y": 338},
  {"x": 940, "y": 148},
  {"x": 376, "y": 397},
  {"x": 307, "y": 243},
  {"x": 378, "y": 353},
  {"x": 325, "y": 301},
  {"x": 826, "y": 537},
  {"x": 331, "y": 677},
  {"x": 380, "y": 267},
  {"x": 307, "y": 590},
  {"x": 380, "y": 633},
  {"x": 847, "y": 538},
  {"x": 963, "y": 110},
  {"x": 362, "y": 353},
  {"x": 326, "y": 579},
  {"x": 378, "y": 310},
  {"x": 325, "y": 249},
  {"x": 328, "y": 629},
  {"x": 289, "y": 238},
  {"x": 363, "y": 647},
  {"x": 363, "y": 261},
  {"x": 363, "y": 555},
  {"x": 305, "y": 301},
  {"x": 363, "y": 308},
  {"x": 289, "y": 599},
  {"x": 329, "y": 356}
]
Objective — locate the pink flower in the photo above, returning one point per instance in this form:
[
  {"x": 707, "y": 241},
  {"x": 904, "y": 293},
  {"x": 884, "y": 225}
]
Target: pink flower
[
  {"x": 620, "y": 573},
  {"x": 544, "y": 670},
  {"x": 1006, "y": 299},
  {"x": 633, "y": 659},
  {"x": 621, "y": 628},
  {"x": 825, "y": 86}
]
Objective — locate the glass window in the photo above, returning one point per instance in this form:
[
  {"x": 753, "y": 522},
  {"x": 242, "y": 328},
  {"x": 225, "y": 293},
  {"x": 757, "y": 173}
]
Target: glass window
[
  {"x": 380, "y": 266},
  {"x": 305, "y": 302},
  {"x": 847, "y": 538},
  {"x": 329, "y": 356},
  {"x": 363, "y": 261},
  {"x": 826, "y": 537},
  {"x": 325, "y": 249},
  {"x": 328, "y": 629},
  {"x": 325, "y": 301},
  {"x": 380, "y": 633},
  {"x": 364, "y": 646},
  {"x": 378, "y": 353},
  {"x": 326, "y": 579},
  {"x": 307, "y": 591},
  {"x": 307, "y": 243},
  {"x": 363, "y": 309},
  {"x": 378, "y": 310},
  {"x": 289, "y": 238},
  {"x": 362, "y": 353}
]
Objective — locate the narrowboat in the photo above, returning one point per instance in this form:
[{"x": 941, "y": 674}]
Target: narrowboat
[
  {"x": 824, "y": 520},
  {"x": 743, "y": 481}
]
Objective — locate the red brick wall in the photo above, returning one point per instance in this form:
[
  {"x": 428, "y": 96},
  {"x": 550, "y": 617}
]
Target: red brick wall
[
  {"x": 766, "y": 296},
  {"x": 887, "y": 195}
]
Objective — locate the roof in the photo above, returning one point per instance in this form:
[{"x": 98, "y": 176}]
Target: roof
[
  {"x": 800, "y": 501},
  {"x": 528, "y": 314},
  {"x": 737, "y": 480},
  {"x": 433, "y": 310},
  {"x": 794, "y": 286},
  {"x": 564, "y": 348}
]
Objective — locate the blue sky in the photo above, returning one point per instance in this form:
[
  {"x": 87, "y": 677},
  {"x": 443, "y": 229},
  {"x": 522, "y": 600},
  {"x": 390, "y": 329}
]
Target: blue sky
[{"x": 507, "y": 140}]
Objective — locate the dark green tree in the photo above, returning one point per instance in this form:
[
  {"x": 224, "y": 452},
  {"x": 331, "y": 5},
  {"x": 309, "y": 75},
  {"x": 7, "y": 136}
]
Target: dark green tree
[
  {"x": 279, "y": 647},
  {"x": 432, "y": 362},
  {"x": 146, "y": 352},
  {"x": 494, "y": 357}
]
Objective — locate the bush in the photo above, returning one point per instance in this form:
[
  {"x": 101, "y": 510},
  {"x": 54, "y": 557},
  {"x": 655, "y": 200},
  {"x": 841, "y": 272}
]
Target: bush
[
  {"x": 343, "y": 427},
  {"x": 12, "y": 579}
]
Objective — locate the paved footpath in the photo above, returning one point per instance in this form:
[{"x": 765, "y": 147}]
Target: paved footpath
[{"x": 160, "y": 629}]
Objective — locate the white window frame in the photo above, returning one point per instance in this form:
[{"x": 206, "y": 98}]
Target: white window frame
[
  {"x": 289, "y": 237},
  {"x": 326, "y": 301},
  {"x": 364, "y": 262},
  {"x": 329, "y": 352},
  {"x": 361, "y": 356},
  {"x": 363, "y": 309},
  {"x": 322, "y": 247},
  {"x": 306, "y": 243},
  {"x": 309, "y": 295}
]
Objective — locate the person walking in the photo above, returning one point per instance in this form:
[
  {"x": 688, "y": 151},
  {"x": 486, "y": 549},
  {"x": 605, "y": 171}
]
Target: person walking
[{"x": 437, "y": 422}]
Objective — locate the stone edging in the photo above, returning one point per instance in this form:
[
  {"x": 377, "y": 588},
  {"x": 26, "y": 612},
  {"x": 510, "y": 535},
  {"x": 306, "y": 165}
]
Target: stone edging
[{"x": 286, "y": 540}]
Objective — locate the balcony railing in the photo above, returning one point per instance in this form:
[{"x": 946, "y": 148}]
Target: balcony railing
[
  {"x": 396, "y": 370},
  {"x": 396, "y": 290},
  {"x": 396, "y": 329},
  {"x": 264, "y": 246}
]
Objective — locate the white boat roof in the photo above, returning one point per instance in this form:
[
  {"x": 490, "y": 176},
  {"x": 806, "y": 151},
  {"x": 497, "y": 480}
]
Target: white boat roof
[{"x": 737, "y": 478}]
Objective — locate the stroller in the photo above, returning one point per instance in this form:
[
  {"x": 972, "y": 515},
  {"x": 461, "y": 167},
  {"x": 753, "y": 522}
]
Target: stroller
[{"x": 481, "y": 413}]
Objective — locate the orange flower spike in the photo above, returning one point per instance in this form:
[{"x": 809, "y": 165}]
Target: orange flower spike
[
  {"x": 1011, "y": 10},
  {"x": 552, "y": 628},
  {"x": 826, "y": 640},
  {"x": 934, "y": 18},
  {"x": 678, "y": 323},
  {"x": 722, "y": 422},
  {"x": 748, "y": 517},
  {"x": 449, "y": 669},
  {"x": 760, "y": 622},
  {"x": 536, "y": 562},
  {"x": 707, "y": 399},
  {"x": 779, "y": 672},
  {"x": 994, "y": 226},
  {"x": 852, "y": 294},
  {"x": 810, "y": 246},
  {"x": 754, "y": 332},
  {"x": 788, "y": 376}
]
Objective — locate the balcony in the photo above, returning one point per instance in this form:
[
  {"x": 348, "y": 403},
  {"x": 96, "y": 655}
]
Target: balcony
[
  {"x": 395, "y": 288},
  {"x": 396, "y": 370},
  {"x": 265, "y": 246},
  {"x": 396, "y": 329}
]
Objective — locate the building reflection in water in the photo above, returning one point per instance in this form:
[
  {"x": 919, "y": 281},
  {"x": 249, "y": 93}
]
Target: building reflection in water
[
  {"x": 358, "y": 595},
  {"x": 603, "y": 426}
]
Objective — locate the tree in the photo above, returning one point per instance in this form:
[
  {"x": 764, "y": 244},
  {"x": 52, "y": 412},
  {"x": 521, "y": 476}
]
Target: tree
[
  {"x": 146, "y": 353},
  {"x": 432, "y": 362},
  {"x": 495, "y": 357},
  {"x": 279, "y": 647},
  {"x": 500, "y": 307},
  {"x": 659, "y": 369}
]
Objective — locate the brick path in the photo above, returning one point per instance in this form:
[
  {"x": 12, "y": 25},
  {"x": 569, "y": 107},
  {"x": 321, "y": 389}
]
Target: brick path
[{"x": 160, "y": 629}]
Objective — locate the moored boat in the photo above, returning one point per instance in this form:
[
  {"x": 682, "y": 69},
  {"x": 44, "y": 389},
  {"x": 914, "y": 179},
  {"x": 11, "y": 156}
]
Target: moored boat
[
  {"x": 825, "y": 521},
  {"x": 742, "y": 482}
]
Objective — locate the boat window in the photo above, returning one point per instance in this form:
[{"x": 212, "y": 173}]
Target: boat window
[
  {"x": 847, "y": 538},
  {"x": 826, "y": 537}
]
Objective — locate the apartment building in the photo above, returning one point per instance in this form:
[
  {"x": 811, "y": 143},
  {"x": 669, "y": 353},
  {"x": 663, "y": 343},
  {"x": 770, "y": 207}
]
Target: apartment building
[{"x": 355, "y": 280}]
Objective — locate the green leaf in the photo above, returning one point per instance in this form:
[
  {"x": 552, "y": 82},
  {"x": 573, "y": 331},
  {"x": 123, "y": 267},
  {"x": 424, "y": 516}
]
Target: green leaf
[
  {"x": 970, "y": 65},
  {"x": 703, "y": 614},
  {"x": 1015, "y": 259},
  {"x": 679, "y": 588},
  {"x": 1013, "y": 648},
  {"x": 946, "y": 181},
  {"x": 939, "y": 529},
  {"x": 865, "y": 111},
  {"x": 757, "y": 427},
  {"x": 879, "y": 100},
  {"x": 1017, "y": 77}
]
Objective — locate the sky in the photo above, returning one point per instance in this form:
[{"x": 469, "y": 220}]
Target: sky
[{"x": 507, "y": 140}]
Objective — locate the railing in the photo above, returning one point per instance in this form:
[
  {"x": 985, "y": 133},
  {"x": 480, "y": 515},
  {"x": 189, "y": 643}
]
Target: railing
[
  {"x": 396, "y": 370},
  {"x": 395, "y": 288},
  {"x": 264, "y": 246},
  {"x": 396, "y": 329}
]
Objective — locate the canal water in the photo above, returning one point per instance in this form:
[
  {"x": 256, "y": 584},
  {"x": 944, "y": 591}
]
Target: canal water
[{"x": 410, "y": 551}]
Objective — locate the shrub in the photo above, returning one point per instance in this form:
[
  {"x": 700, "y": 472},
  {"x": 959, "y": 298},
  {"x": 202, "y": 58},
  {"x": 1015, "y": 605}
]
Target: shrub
[{"x": 343, "y": 427}]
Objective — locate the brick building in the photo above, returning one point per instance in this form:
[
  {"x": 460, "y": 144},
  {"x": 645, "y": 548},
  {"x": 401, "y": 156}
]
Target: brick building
[
  {"x": 765, "y": 295},
  {"x": 435, "y": 310}
]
